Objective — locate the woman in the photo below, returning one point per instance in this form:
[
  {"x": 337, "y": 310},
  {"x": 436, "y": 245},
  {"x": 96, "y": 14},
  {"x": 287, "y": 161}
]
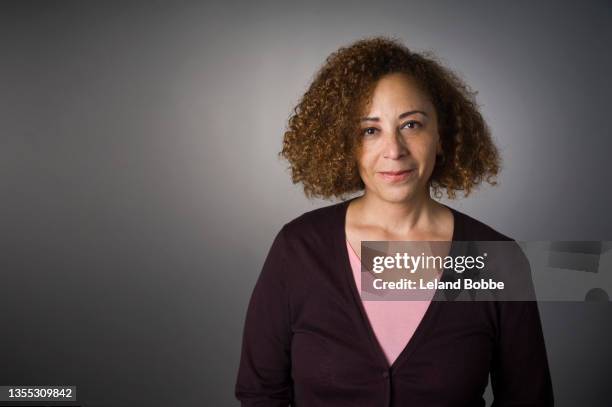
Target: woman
[{"x": 397, "y": 125}]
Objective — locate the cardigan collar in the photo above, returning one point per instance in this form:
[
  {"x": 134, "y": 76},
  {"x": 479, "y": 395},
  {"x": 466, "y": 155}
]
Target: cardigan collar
[
  {"x": 429, "y": 319},
  {"x": 458, "y": 247}
]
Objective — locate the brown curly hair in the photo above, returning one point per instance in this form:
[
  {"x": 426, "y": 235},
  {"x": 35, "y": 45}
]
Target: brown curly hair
[{"x": 322, "y": 140}]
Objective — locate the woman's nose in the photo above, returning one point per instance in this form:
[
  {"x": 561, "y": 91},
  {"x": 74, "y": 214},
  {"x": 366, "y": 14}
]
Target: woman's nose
[{"x": 395, "y": 145}]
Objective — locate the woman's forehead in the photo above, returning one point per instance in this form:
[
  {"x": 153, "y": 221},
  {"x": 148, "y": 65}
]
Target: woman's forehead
[{"x": 396, "y": 93}]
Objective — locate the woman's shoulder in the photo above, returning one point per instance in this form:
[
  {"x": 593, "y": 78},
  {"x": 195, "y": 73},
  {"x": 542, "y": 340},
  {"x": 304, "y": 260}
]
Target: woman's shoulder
[
  {"x": 469, "y": 228},
  {"x": 318, "y": 224}
]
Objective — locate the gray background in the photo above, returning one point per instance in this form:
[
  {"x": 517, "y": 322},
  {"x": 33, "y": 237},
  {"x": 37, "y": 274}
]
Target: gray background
[{"x": 140, "y": 188}]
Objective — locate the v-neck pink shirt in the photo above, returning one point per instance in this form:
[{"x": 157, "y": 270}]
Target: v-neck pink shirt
[{"x": 393, "y": 322}]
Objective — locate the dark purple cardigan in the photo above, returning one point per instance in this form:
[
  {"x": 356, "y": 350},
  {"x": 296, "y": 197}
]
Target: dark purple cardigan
[{"x": 307, "y": 340}]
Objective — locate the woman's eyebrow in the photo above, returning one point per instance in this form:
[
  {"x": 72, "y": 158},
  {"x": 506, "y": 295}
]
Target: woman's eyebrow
[{"x": 401, "y": 116}]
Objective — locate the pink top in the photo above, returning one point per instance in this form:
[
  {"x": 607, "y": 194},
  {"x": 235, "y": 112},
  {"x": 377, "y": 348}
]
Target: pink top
[{"x": 393, "y": 322}]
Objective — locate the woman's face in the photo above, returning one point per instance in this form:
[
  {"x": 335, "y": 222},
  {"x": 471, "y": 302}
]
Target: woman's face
[{"x": 400, "y": 140}]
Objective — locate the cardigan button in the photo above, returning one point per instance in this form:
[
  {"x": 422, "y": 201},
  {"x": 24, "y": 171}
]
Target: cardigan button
[{"x": 385, "y": 374}]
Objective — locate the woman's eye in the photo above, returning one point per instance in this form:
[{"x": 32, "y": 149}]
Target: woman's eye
[
  {"x": 369, "y": 131},
  {"x": 412, "y": 124}
]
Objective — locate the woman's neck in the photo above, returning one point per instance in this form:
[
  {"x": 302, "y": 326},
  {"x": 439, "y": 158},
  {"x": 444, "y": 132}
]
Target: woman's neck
[{"x": 398, "y": 218}]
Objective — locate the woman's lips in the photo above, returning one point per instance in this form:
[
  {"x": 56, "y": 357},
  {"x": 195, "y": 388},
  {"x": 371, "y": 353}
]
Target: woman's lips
[{"x": 395, "y": 176}]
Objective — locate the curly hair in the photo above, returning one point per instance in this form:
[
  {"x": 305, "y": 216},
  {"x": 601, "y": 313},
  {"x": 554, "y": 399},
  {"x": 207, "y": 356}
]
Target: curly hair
[{"x": 322, "y": 139}]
